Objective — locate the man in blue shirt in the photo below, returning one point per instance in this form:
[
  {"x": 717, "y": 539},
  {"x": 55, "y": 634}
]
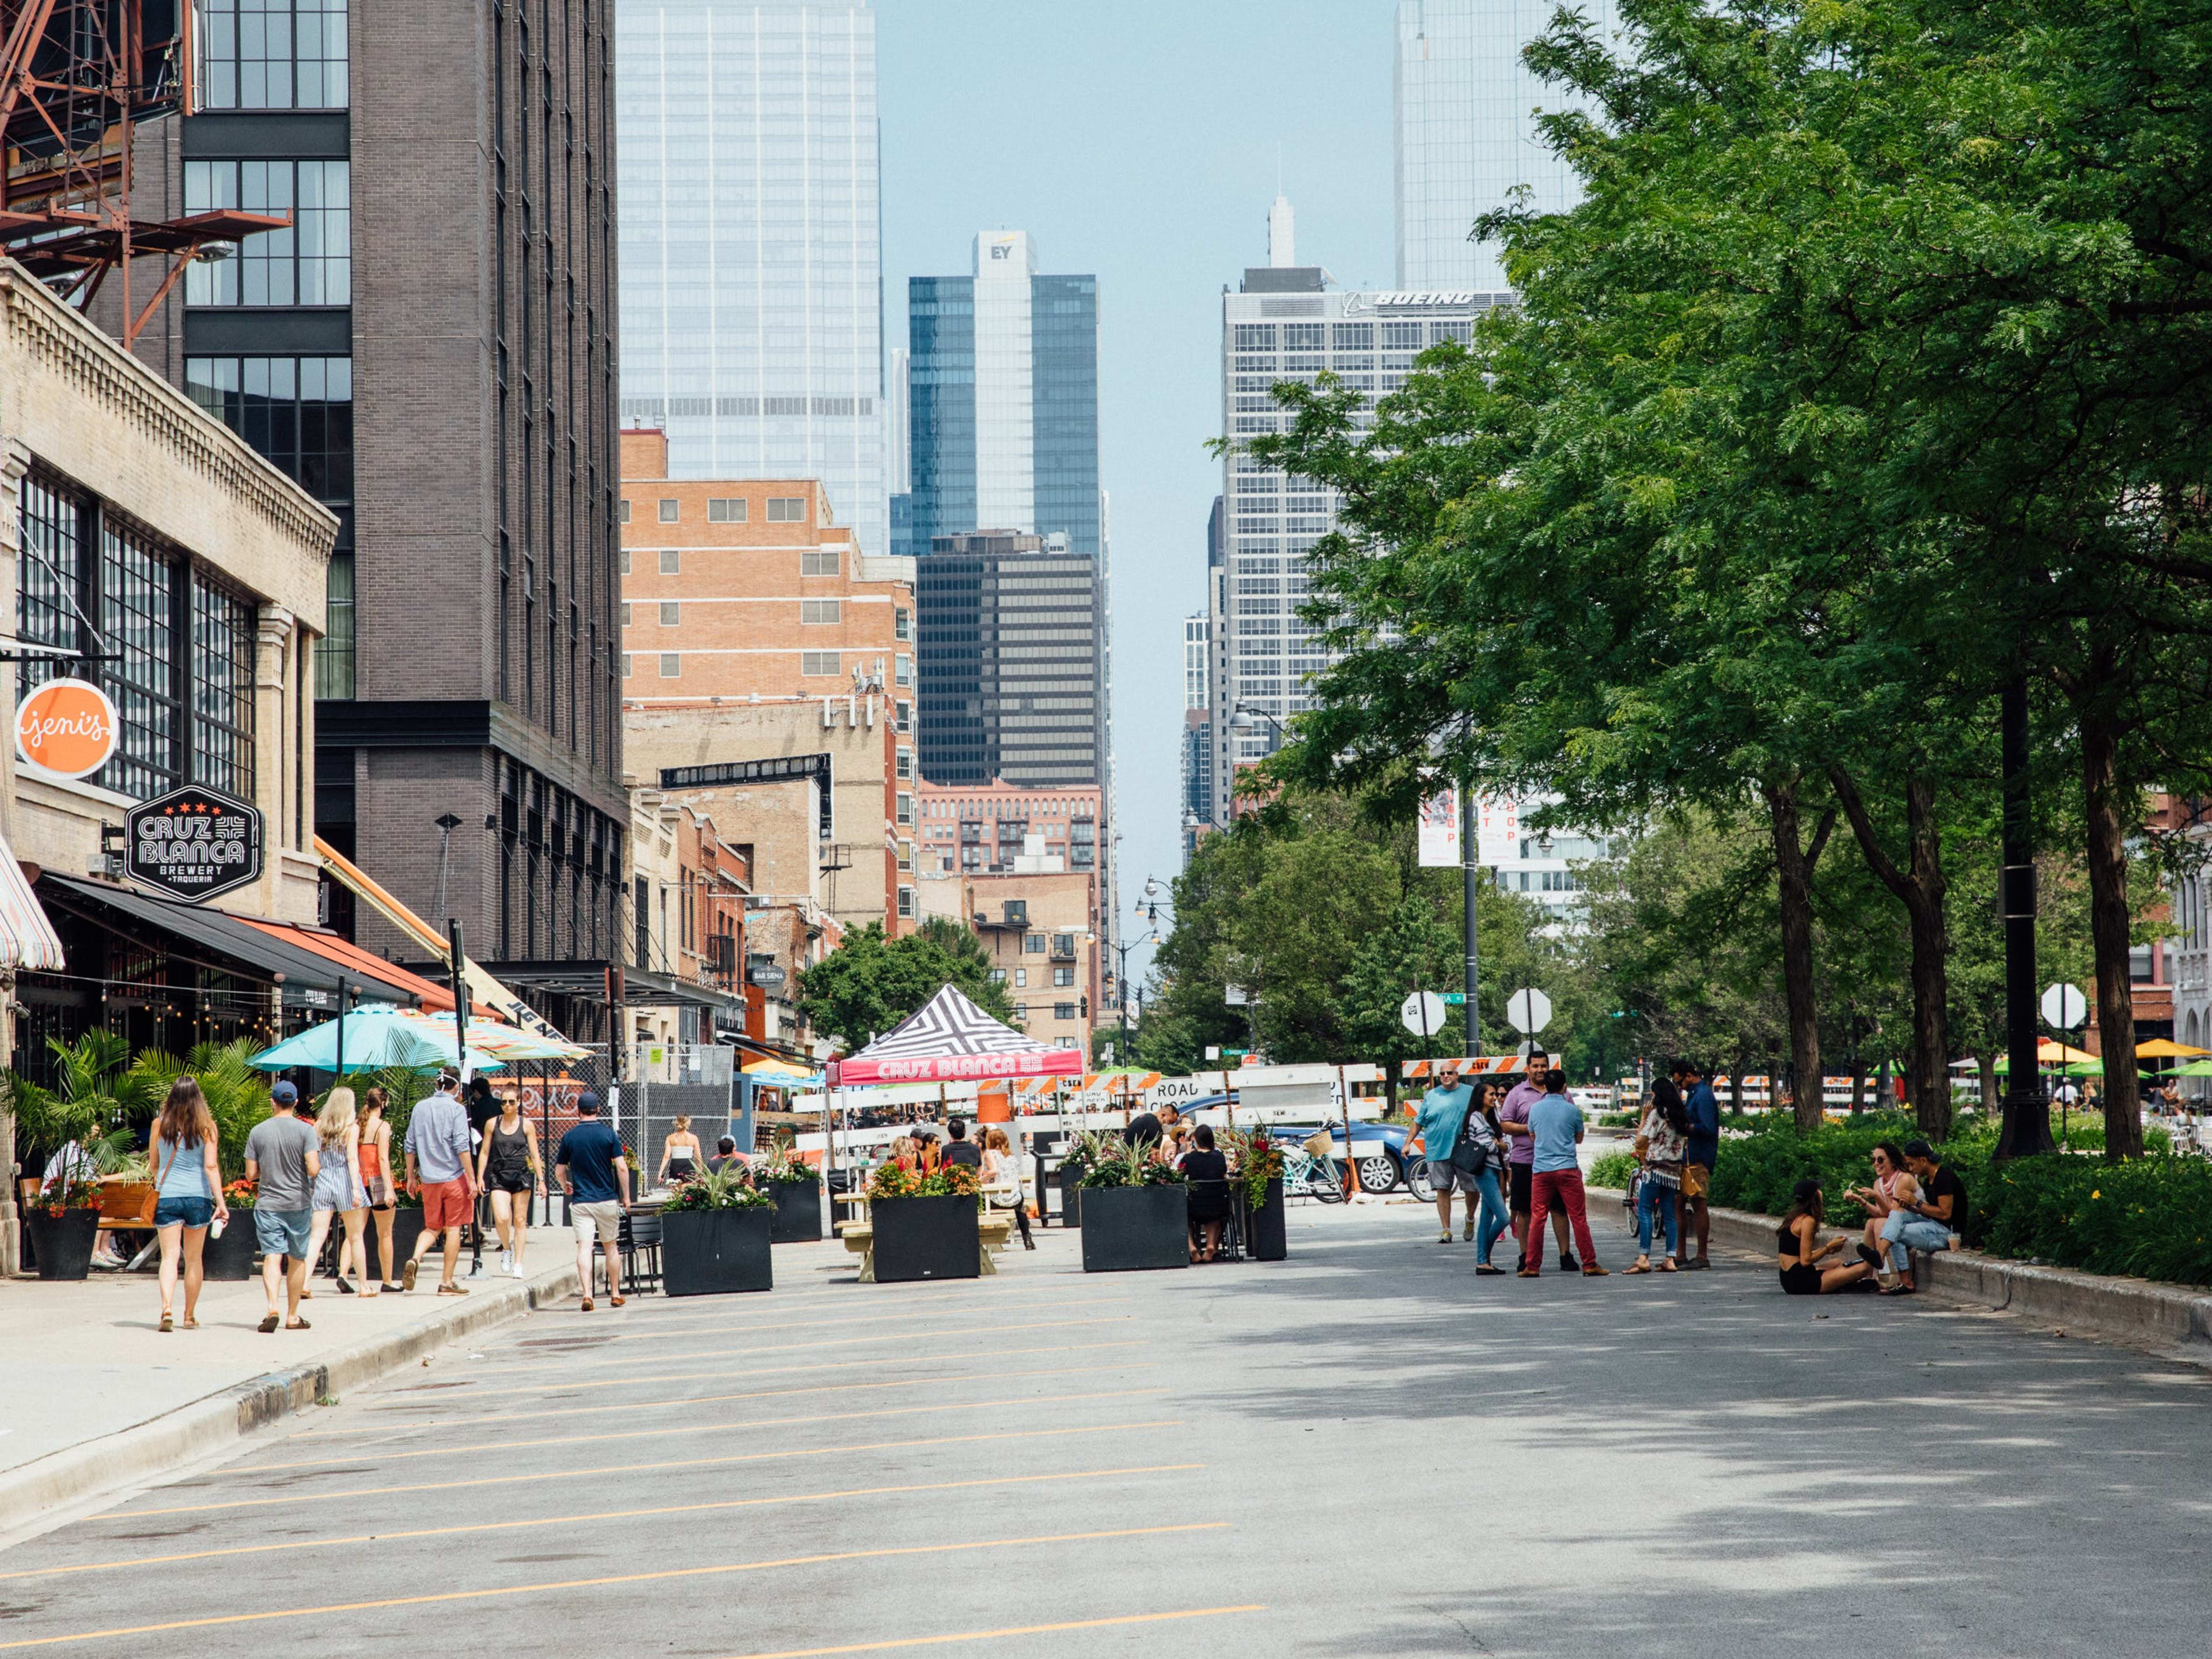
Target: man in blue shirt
[
  {"x": 1555, "y": 1127},
  {"x": 1444, "y": 1112},
  {"x": 1699, "y": 1158},
  {"x": 592, "y": 1171}
]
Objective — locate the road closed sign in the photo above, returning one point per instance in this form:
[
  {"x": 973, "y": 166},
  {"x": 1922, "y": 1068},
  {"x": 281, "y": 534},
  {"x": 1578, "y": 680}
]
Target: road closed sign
[{"x": 66, "y": 727}]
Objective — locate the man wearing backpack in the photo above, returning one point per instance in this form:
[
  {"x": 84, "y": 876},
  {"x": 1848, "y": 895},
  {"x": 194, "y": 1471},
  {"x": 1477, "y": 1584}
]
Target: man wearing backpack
[{"x": 1443, "y": 1111}]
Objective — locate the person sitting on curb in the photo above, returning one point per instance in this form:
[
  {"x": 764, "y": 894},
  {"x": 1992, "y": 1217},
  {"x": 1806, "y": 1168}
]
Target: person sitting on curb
[
  {"x": 1927, "y": 1219},
  {"x": 1797, "y": 1240},
  {"x": 1879, "y": 1199}
]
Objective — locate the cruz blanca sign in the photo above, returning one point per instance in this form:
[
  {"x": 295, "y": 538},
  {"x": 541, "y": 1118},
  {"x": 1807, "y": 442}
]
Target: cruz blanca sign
[{"x": 193, "y": 843}]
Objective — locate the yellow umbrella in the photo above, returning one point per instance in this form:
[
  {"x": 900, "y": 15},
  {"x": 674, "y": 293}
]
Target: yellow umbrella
[
  {"x": 774, "y": 1068},
  {"x": 2050, "y": 1053},
  {"x": 2166, "y": 1049}
]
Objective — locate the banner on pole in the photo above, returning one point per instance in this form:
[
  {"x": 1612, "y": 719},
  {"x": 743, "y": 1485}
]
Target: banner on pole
[{"x": 1440, "y": 829}]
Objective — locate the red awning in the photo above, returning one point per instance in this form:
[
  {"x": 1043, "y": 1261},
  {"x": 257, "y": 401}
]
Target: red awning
[{"x": 437, "y": 999}]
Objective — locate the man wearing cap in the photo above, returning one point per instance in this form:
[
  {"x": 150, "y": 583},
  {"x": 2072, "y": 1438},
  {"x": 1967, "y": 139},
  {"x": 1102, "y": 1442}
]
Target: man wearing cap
[
  {"x": 592, "y": 1171},
  {"x": 284, "y": 1156},
  {"x": 438, "y": 1169}
]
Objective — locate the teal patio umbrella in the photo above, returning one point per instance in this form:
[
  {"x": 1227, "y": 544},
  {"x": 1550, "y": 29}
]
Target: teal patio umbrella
[{"x": 375, "y": 1036}]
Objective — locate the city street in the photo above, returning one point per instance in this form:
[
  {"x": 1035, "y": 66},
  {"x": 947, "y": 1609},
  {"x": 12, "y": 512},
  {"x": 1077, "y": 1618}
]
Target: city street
[{"x": 1364, "y": 1449}]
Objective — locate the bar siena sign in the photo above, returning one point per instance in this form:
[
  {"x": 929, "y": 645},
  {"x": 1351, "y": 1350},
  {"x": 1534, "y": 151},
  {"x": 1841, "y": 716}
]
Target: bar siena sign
[{"x": 194, "y": 843}]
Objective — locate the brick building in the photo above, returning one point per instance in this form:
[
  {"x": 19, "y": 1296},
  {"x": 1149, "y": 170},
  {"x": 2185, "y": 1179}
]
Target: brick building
[
  {"x": 768, "y": 682},
  {"x": 1044, "y": 930},
  {"x": 690, "y": 889}
]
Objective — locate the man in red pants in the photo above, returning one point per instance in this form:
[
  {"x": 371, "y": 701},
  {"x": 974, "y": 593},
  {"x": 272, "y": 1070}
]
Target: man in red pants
[{"x": 1555, "y": 1126}]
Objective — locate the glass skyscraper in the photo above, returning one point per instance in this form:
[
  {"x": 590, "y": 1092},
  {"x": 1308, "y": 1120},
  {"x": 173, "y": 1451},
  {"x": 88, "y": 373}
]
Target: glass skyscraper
[
  {"x": 1467, "y": 133},
  {"x": 1003, "y": 395},
  {"x": 751, "y": 244}
]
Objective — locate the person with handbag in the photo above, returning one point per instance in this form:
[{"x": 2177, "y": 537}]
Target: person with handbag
[
  {"x": 188, "y": 1194},
  {"x": 1002, "y": 1181},
  {"x": 1443, "y": 1114},
  {"x": 1661, "y": 1140}
]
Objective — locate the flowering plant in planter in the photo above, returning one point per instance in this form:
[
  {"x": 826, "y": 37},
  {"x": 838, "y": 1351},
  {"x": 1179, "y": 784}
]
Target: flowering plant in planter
[
  {"x": 1108, "y": 1160},
  {"x": 949, "y": 1181},
  {"x": 74, "y": 1191},
  {"x": 715, "y": 1189},
  {"x": 1255, "y": 1158},
  {"x": 777, "y": 1164},
  {"x": 238, "y": 1195}
]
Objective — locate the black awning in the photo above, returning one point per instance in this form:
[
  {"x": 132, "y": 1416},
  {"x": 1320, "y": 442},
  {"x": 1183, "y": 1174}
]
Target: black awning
[
  {"x": 642, "y": 987},
  {"x": 307, "y": 980}
]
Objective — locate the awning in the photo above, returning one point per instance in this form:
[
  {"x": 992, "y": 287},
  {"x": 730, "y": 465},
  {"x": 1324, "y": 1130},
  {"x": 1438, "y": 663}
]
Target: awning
[
  {"x": 642, "y": 987},
  {"x": 307, "y": 979},
  {"x": 356, "y": 962},
  {"x": 27, "y": 939}
]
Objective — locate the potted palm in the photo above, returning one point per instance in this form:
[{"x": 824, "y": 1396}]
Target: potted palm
[
  {"x": 715, "y": 1236},
  {"x": 925, "y": 1225},
  {"x": 1136, "y": 1211},
  {"x": 1258, "y": 1176},
  {"x": 795, "y": 1190}
]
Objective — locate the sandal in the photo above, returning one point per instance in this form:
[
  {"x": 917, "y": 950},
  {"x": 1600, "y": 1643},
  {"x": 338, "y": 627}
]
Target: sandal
[
  {"x": 270, "y": 1321},
  {"x": 1643, "y": 1266},
  {"x": 1667, "y": 1265},
  {"x": 168, "y": 1321},
  {"x": 297, "y": 1325},
  {"x": 1897, "y": 1290},
  {"x": 190, "y": 1323}
]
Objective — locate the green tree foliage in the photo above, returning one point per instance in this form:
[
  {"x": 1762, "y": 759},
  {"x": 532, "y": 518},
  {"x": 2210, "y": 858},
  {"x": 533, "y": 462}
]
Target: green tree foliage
[{"x": 870, "y": 983}]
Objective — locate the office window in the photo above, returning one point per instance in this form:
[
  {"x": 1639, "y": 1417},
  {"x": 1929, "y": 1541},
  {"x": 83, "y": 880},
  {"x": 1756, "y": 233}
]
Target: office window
[
  {"x": 817, "y": 665},
  {"x": 671, "y": 562},
  {"x": 903, "y": 716},
  {"x": 902, "y": 623},
  {"x": 1352, "y": 337},
  {"x": 310, "y": 263},
  {"x": 137, "y": 606},
  {"x": 272, "y": 54},
  {"x": 1304, "y": 337},
  {"x": 1255, "y": 337},
  {"x": 817, "y": 612},
  {"x": 906, "y": 901},
  {"x": 671, "y": 612},
  {"x": 906, "y": 764},
  {"x": 905, "y": 808},
  {"x": 671, "y": 512},
  {"x": 1401, "y": 337},
  {"x": 671, "y": 665},
  {"x": 1063, "y": 1010},
  {"x": 1033, "y": 945},
  {"x": 903, "y": 670},
  {"x": 820, "y": 562},
  {"x": 222, "y": 690},
  {"x": 998, "y": 976},
  {"x": 1063, "y": 976},
  {"x": 1021, "y": 976},
  {"x": 295, "y": 411},
  {"x": 622, "y": 512},
  {"x": 725, "y": 509},
  {"x": 786, "y": 509}
]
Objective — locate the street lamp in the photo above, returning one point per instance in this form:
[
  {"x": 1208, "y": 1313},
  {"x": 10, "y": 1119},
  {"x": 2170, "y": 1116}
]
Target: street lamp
[
  {"x": 1240, "y": 719},
  {"x": 1121, "y": 948}
]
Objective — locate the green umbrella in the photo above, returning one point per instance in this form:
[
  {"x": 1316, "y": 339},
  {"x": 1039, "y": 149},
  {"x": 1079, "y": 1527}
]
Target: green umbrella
[{"x": 2195, "y": 1068}]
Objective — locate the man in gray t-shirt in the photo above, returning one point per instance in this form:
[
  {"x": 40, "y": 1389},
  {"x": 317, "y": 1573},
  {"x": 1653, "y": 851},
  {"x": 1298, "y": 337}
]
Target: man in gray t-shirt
[{"x": 283, "y": 1158}]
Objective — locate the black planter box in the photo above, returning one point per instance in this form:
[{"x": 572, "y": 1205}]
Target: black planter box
[
  {"x": 1071, "y": 1198},
  {"x": 406, "y": 1228},
  {"x": 237, "y": 1253},
  {"x": 1128, "y": 1229},
  {"x": 924, "y": 1238},
  {"x": 715, "y": 1252},
  {"x": 1265, "y": 1237},
  {"x": 63, "y": 1242},
  {"x": 798, "y": 1212}
]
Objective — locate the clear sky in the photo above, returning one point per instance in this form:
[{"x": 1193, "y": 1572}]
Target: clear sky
[{"x": 1139, "y": 140}]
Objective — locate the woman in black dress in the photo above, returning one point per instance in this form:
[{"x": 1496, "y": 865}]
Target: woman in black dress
[{"x": 1209, "y": 1205}]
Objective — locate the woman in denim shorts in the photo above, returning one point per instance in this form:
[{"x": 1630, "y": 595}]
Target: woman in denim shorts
[{"x": 188, "y": 1194}]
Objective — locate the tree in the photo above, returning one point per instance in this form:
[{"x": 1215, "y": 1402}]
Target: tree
[{"x": 870, "y": 983}]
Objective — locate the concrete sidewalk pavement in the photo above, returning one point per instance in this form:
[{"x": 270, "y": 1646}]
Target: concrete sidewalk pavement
[{"x": 93, "y": 1397}]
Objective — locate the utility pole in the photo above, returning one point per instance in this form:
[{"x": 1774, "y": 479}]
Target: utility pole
[
  {"x": 2027, "y": 1108},
  {"x": 1470, "y": 855}
]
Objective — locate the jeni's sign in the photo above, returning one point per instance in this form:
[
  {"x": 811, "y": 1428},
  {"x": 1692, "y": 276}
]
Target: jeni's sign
[{"x": 66, "y": 727}]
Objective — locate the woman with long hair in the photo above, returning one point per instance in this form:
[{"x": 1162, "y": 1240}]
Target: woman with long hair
[
  {"x": 376, "y": 1143},
  {"x": 1002, "y": 1181},
  {"x": 1797, "y": 1240},
  {"x": 339, "y": 1190},
  {"x": 1494, "y": 1218},
  {"x": 1893, "y": 1186},
  {"x": 509, "y": 1169},
  {"x": 680, "y": 1156},
  {"x": 1662, "y": 1139},
  {"x": 187, "y": 1195}
]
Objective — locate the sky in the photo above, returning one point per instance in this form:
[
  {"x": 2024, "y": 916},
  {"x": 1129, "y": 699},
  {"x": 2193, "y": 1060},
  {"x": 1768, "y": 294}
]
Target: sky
[{"x": 1140, "y": 141}]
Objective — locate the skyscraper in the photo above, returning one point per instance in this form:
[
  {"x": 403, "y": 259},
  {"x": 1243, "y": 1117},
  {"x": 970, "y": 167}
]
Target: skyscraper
[
  {"x": 1284, "y": 323},
  {"x": 751, "y": 244},
  {"x": 430, "y": 351},
  {"x": 1467, "y": 133},
  {"x": 1004, "y": 395}
]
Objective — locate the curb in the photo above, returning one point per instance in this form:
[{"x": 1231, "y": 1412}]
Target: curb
[
  {"x": 147, "y": 1451},
  {"x": 2135, "y": 1311}
]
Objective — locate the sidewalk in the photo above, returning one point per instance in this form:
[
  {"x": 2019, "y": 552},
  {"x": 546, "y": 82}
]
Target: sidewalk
[{"x": 93, "y": 1397}]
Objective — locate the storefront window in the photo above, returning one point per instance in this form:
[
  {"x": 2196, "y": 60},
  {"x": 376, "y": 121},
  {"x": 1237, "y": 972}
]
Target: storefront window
[
  {"x": 222, "y": 690},
  {"x": 138, "y": 614}
]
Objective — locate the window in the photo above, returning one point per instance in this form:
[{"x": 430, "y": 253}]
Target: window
[
  {"x": 671, "y": 512},
  {"x": 671, "y": 665},
  {"x": 1021, "y": 976},
  {"x": 905, "y": 762},
  {"x": 1063, "y": 944},
  {"x": 627, "y": 669},
  {"x": 725, "y": 509},
  {"x": 1033, "y": 945},
  {"x": 625, "y": 562},
  {"x": 906, "y": 855},
  {"x": 272, "y": 54},
  {"x": 786, "y": 509},
  {"x": 671, "y": 562},
  {"x": 137, "y": 606},
  {"x": 1021, "y": 1013},
  {"x": 905, "y": 807},
  {"x": 309, "y": 262},
  {"x": 1063, "y": 1010},
  {"x": 820, "y": 562},
  {"x": 1304, "y": 337},
  {"x": 671, "y": 612},
  {"x": 905, "y": 900},
  {"x": 622, "y": 512},
  {"x": 1401, "y": 337},
  {"x": 818, "y": 665},
  {"x": 903, "y": 716},
  {"x": 903, "y": 670},
  {"x": 998, "y": 976},
  {"x": 1353, "y": 337},
  {"x": 817, "y": 612},
  {"x": 902, "y": 623},
  {"x": 222, "y": 690},
  {"x": 1063, "y": 976},
  {"x": 625, "y": 613},
  {"x": 1255, "y": 337}
]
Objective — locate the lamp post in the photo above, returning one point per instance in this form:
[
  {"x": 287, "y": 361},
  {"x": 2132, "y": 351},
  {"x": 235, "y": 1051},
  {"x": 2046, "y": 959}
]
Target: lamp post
[{"x": 1122, "y": 949}]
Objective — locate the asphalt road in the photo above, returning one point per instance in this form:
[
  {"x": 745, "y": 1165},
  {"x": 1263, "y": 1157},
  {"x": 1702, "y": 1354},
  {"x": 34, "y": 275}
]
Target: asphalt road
[{"x": 1364, "y": 1450}]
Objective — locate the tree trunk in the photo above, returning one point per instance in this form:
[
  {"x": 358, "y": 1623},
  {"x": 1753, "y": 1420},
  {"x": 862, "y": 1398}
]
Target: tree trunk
[
  {"x": 1986, "y": 1062},
  {"x": 1921, "y": 888},
  {"x": 2108, "y": 931},
  {"x": 1858, "y": 1084},
  {"x": 1774, "y": 1087},
  {"x": 1736, "y": 1087},
  {"x": 1793, "y": 871}
]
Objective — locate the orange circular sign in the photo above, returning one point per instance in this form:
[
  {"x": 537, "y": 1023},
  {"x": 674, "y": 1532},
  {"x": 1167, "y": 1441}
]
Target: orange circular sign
[{"x": 67, "y": 727}]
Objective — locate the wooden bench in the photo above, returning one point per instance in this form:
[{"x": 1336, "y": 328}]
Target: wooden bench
[{"x": 991, "y": 1231}]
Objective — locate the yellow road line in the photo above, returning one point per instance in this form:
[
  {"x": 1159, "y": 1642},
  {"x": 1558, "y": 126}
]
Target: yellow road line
[
  {"x": 984, "y": 1358},
  {"x": 606, "y": 1515},
  {"x": 612, "y": 1578},
  {"x": 390, "y": 1431},
  {"x": 1010, "y": 1630},
  {"x": 634, "y": 1468},
  {"x": 502, "y": 1447}
]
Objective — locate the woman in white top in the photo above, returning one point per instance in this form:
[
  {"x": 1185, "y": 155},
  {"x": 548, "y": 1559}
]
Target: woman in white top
[
  {"x": 340, "y": 1191},
  {"x": 1002, "y": 1181}
]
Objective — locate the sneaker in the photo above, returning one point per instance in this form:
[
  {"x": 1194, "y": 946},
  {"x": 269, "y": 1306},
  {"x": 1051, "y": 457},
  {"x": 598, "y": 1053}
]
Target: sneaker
[
  {"x": 1466, "y": 1231},
  {"x": 1444, "y": 1237},
  {"x": 517, "y": 1271},
  {"x": 506, "y": 1261}
]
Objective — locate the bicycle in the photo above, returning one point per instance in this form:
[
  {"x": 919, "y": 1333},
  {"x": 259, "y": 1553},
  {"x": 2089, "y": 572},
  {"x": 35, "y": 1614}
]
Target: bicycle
[{"x": 1305, "y": 1176}]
